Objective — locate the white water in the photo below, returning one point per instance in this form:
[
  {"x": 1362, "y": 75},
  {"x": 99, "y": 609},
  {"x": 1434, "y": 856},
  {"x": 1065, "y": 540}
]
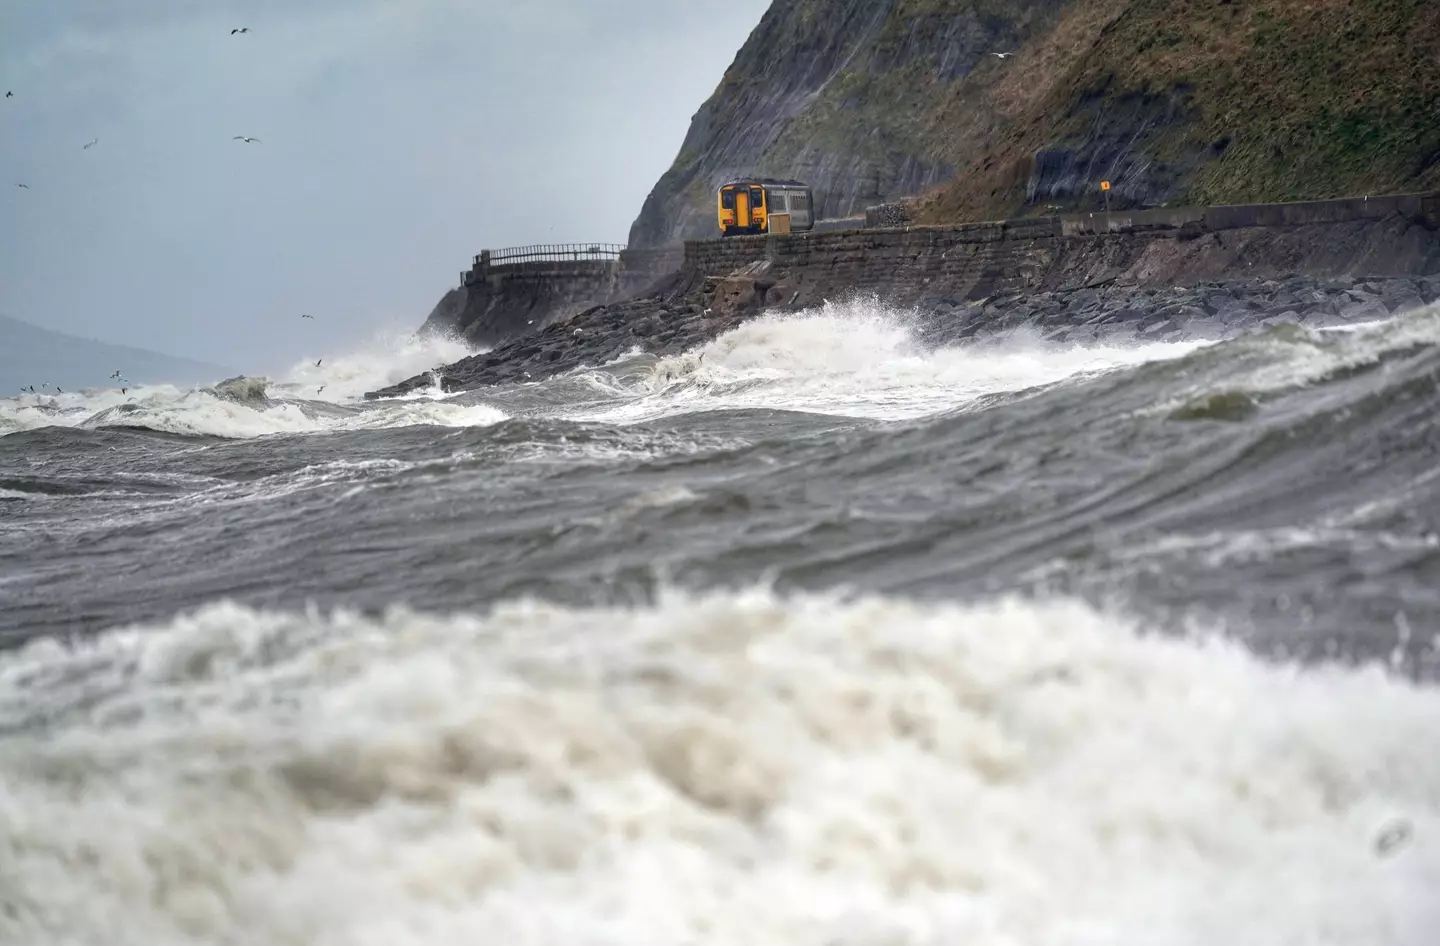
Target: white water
[
  {"x": 856, "y": 359},
  {"x": 387, "y": 359},
  {"x": 734, "y": 769},
  {"x": 310, "y": 399},
  {"x": 1295, "y": 356}
]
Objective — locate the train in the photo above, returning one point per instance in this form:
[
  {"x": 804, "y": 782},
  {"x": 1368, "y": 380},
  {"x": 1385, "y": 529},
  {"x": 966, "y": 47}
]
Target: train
[{"x": 744, "y": 206}]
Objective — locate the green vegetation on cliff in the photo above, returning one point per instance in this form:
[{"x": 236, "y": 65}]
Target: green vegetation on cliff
[
  {"x": 1196, "y": 101},
  {"x": 1205, "y": 101}
]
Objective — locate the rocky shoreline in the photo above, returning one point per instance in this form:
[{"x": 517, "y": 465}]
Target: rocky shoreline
[{"x": 686, "y": 312}]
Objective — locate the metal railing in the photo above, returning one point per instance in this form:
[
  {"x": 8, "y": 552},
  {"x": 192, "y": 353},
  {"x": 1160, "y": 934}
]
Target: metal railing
[{"x": 550, "y": 253}]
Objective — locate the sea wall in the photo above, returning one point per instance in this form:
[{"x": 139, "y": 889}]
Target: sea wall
[
  {"x": 499, "y": 302},
  {"x": 1395, "y": 235}
]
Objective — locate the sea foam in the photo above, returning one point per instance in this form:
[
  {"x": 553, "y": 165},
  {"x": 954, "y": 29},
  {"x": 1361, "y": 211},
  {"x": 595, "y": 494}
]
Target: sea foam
[{"x": 735, "y": 768}]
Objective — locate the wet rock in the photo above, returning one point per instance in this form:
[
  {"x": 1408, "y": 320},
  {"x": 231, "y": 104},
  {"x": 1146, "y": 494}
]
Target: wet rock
[
  {"x": 242, "y": 390},
  {"x": 1366, "y": 310}
]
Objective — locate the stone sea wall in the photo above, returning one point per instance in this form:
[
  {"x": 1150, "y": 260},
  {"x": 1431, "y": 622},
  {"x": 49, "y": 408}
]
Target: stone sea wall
[
  {"x": 1377, "y": 236},
  {"x": 497, "y": 303}
]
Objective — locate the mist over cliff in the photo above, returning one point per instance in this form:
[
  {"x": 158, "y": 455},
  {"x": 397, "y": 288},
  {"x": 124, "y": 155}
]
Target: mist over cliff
[{"x": 1175, "y": 101}]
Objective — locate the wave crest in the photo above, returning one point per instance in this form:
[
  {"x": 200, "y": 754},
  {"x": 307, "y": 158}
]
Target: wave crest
[
  {"x": 857, "y": 358},
  {"x": 312, "y": 399}
]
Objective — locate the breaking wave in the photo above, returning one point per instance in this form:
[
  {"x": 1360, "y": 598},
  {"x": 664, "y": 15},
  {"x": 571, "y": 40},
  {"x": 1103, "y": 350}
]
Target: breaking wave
[
  {"x": 854, "y": 359},
  {"x": 311, "y": 399},
  {"x": 735, "y": 768},
  {"x": 861, "y": 360},
  {"x": 387, "y": 359}
]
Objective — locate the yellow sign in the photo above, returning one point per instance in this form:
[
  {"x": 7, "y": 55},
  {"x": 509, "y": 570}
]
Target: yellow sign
[{"x": 1104, "y": 185}]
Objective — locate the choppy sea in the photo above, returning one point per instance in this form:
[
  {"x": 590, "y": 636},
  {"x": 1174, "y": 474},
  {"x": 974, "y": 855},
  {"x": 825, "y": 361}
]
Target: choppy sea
[{"x": 813, "y": 636}]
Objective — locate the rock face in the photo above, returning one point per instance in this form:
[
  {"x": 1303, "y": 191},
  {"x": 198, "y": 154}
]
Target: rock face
[
  {"x": 1173, "y": 101},
  {"x": 846, "y": 95}
]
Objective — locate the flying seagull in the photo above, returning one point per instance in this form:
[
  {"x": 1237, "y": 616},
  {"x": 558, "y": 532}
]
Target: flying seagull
[
  {"x": 308, "y": 316},
  {"x": 247, "y": 140},
  {"x": 116, "y": 375},
  {"x": 320, "y": 389},
  {"x": 26, "y": 186},
  {"x": 9, "y": 95},
  {"x": 1001, "y": 55},
  {"x": 240, "y": 29},
  {"x": 317, "y": 362},
  {"x": 90, "y": 144}
]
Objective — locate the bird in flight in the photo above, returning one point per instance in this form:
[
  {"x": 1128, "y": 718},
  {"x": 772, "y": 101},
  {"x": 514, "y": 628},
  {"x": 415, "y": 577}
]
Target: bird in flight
[
  {"x": 320, "y": 389},
  {"x": 9, "y": 95},
  {"x": 90, "y": 144},
  {"x": 1001, "y": 55},
  {"x": 307, "y": 315},
  {"x": 26, "y": 186},
  {"x": 247, "y": 140},
  {"x": 240, "y": 29},
  {"x": 116, "y": 375},
  {"x": 317, "y": 362}
]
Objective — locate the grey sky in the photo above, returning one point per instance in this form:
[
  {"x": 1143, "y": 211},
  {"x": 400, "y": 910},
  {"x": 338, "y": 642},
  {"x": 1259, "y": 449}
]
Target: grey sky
[{"x": 399, "y": 137}]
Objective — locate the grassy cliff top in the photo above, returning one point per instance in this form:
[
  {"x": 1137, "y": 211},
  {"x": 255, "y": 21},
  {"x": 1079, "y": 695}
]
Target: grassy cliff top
[{"x": 1252, "y": 100}]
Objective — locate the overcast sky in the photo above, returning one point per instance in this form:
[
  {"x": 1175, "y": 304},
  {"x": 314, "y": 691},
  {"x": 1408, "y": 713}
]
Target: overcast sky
[{"x": 398, "y": 138}]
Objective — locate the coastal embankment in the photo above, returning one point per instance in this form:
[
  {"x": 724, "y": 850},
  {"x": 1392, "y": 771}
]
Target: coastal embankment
[
  {"x": 1167, "y": 274},
  {"x": 516, "y": 291}
]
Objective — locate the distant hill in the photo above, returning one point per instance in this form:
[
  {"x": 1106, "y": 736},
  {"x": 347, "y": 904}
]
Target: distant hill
[
  {"x": 1174, "y": 101},
  {"x": 30, "y": 354}
]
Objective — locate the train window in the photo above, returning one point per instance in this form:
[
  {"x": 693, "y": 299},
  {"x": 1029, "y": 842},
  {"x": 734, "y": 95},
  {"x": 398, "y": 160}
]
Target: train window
[
  {"x": 777, "y": 202},
  {"x": 800, "y": 202},
  {"x": 727, "y": 199},
  {"x": 757, "y": 197}
]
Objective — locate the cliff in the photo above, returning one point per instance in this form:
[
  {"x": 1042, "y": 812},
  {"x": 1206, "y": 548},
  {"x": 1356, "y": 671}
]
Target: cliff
[
  {"x": 1175, "y": 101},
  {"x": 842, "y": 94}
]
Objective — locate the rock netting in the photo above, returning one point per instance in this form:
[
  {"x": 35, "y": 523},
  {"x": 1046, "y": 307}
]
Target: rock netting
[{"x": 888, "y": 215}]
